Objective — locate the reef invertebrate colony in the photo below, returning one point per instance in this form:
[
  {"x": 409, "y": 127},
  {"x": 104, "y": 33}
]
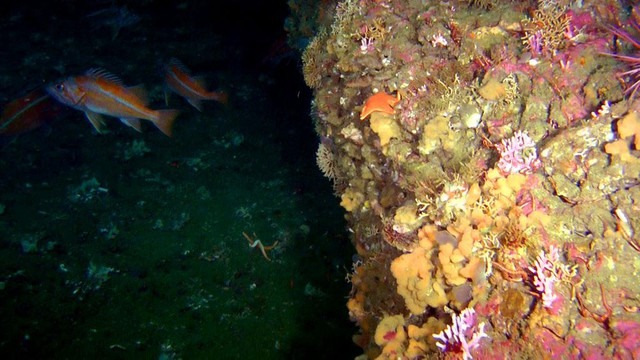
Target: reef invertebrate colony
[
  {"x": 312, "y": 68},
  {"x": 326, "y": 161},
  {"x": 484, "y": 187},
  {"x": 547, "y": 31}
]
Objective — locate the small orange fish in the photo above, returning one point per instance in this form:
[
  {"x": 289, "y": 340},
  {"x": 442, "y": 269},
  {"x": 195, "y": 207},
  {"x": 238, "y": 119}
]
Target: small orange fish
[
  {"x": 28, "y": 112},
  {"x": 98, "y": 92},
  {"x": 180, "y": 81}
]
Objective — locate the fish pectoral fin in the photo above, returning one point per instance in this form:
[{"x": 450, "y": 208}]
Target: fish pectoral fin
[
  {"x": 133, "y": 122},
  {"x": 197, "y": 103},
  {"x": 96, "y": 120},
  {"x": 141, "y": 93}
]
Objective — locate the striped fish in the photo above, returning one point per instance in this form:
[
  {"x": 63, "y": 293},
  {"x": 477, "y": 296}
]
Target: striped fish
[
  {"x": 98, "y": 93},
  {"x": 179, "y": 80}
]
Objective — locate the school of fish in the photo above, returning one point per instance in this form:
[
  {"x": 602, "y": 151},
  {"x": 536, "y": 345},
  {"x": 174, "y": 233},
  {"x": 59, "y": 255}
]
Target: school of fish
[{"x": 98, "y": 93}]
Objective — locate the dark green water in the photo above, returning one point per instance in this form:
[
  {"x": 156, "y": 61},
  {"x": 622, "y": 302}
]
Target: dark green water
[{"x": 130, "y": 245}]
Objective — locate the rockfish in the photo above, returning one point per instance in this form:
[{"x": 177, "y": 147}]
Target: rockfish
[
  {"x": 29, "y": 112},
  {"x": 99, "y": 92},
  {"x": 178, "y": 78}
]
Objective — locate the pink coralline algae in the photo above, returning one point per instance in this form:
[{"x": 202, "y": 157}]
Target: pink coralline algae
[
  {"x": 454, "y": 337},
  {"x": 518, "y": 154},
  {"x": 629, "y": 337}
]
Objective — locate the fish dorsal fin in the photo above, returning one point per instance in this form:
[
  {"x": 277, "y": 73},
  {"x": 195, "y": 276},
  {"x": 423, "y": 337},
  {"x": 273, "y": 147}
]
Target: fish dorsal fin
[
  {"x": 178, "y": 64},
  {"x": 140, "y": 92},
  {"x": 100, "y": 73}
]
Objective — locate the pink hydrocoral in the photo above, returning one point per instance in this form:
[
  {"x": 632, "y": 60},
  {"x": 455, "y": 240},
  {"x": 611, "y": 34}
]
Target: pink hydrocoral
[
  {"x": 454, "y": 337},
  {"x": 545, "y": 276},
  {"x": 518, "y": 155}
]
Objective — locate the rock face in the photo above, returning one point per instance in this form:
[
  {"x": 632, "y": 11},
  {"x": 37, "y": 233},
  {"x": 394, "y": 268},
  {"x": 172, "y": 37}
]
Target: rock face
[{"x": 495, "y": 210}]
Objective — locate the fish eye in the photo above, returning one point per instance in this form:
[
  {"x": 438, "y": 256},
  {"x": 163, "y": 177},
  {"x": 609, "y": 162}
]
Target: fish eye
[{"x": 60, "y": 87}]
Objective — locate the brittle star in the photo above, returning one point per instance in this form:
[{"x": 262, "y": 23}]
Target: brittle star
[{"x": 263, "y": 249}]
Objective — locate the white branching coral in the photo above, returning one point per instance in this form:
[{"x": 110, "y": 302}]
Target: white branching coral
[
  {"x": 518, "y": 154},
  {"x": 545, "y": 277},
  {"x": 463, "y": 334},
  {"x": 548, "y": 270}
]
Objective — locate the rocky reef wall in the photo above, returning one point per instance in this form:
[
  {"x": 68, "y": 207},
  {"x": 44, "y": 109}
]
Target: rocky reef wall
[{"x": 487, "y": 156}]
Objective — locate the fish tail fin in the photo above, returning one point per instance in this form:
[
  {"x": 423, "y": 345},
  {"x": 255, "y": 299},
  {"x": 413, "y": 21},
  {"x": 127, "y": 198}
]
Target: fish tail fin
[
  {"x": 223, "y": 97},
  {"x": 219, "y": 96},
  {"x": 165, "y": 119}
]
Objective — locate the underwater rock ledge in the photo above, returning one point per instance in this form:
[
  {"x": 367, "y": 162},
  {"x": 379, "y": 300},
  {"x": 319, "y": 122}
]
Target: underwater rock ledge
[{"x": 494, "y": 206}]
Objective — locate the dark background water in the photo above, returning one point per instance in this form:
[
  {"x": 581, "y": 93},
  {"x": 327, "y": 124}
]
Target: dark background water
[{"x": 130, "y": 245}]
